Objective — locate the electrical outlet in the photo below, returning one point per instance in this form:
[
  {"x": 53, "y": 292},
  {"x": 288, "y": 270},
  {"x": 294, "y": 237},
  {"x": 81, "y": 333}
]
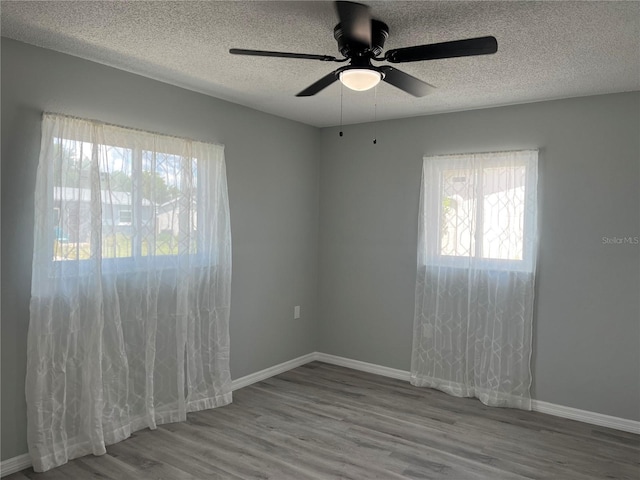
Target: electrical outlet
[{"x": 296, "y": 312}]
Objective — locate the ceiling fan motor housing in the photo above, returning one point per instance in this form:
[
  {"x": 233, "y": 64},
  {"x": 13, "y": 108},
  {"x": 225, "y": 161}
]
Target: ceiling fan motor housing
[
  {"x": 361, "y": 40},
  {"x": 379, "y": 34}
]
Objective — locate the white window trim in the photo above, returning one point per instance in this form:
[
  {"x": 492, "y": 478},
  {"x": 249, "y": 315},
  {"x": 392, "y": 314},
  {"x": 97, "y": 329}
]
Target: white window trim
[
  {"x": 433, "y": 201},
  {"x": 145, "y": 142},
  {"x": 136, "y": 203}
]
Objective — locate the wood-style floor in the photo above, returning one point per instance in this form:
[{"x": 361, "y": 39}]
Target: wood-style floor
[{"x": 320, "y": 421}]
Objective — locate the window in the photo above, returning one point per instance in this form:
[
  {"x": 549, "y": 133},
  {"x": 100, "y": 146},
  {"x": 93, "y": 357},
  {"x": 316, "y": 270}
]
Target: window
[
  {"x": 481, "y": 208},
  {"x": 125, "y": 217},
  {"x": 131, "y": 279},
  {"x": 475, "y": 280},
  {"x": 120, "y": 193},
  {"x": 146, "y": 199}
]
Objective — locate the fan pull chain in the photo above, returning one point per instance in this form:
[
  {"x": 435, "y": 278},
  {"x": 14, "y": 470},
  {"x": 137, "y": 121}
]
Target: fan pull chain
[
  {"x": 375, "y": 114},
  {"x": 341, "y": 92}
]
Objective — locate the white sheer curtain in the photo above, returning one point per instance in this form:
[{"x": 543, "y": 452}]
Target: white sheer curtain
[
  {"x": 130, "y": 292},
  {"x": 475, "y": 282}
]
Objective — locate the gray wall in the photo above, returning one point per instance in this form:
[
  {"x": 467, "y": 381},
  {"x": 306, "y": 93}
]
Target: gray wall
[
  {"x": 272, "y": 171},
  {"x": 587, "y": 321}
]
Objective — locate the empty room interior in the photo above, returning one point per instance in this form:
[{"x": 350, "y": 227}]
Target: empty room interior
[{"x": 320, "y": 240}]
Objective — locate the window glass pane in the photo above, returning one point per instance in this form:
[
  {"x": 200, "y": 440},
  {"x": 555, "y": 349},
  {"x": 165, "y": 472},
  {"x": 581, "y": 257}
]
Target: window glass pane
[
  {"x": 148, "y": 201},
  {"x": 480, "y": 210},
  {"x": 71, "y": 200},
  {"x": 458, "y": 212},
  {"x": 503, "y": 192},
  {"x": 117, "y": 201},
  {"x": 169, "y": 204},
  {"x": 193, "y": 242}
]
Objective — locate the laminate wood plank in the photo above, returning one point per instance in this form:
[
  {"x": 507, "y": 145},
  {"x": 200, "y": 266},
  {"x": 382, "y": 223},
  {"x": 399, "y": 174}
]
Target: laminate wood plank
[
  {"x": 399, "y": 429},
  {"x": 294, "y": 450},
  {"x": 16, "y": 476},
  {"x": 145, "y": 463},
  {"x": 64, "y": 472},
  {"x": 105, "y": 467},
  {"x": 355, "y": 444},
  {"x": 481, "y": 414},
  {"x": 180, "y": 455},
  {"x": 579, "y": 449},
  {"x": 255, "y": 458},
  {"x": 323, "y": 445},
  {"x": 322, "y": 421}
]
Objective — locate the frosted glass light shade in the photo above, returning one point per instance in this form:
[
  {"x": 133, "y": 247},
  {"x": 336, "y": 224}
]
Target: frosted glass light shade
[{"x": 360, "y": 79}]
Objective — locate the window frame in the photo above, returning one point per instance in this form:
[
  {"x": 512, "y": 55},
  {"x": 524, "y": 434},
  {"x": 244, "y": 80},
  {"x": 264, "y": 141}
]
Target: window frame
[
  {"x": 135, "y": 261},
  {"x": 432, "y": 204}
]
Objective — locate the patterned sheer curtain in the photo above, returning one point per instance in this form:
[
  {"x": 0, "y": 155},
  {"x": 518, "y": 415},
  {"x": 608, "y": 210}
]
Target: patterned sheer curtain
[
  {"x": 475, "y": 281},
  {"x": 130, "y": 291}
]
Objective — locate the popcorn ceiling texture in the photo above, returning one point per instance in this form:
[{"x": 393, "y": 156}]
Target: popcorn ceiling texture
[{"x": 546, "y": 50}]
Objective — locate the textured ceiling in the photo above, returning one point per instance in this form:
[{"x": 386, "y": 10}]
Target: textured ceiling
[{"x": 546, "y": 50}]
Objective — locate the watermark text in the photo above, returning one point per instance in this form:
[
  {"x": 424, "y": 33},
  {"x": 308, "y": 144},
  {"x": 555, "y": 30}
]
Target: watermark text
[{"x": 621, "y": 240}]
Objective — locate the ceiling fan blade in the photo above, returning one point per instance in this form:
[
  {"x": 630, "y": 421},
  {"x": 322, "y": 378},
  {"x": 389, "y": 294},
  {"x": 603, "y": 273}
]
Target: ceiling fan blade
[
  {"x": 406, "y": 82},
  {"x": 434, "y": 51},
  {"x": 266, "y": 53},
  {"x": 355, "y": 20},
  {"x": 321, "y": 84}
]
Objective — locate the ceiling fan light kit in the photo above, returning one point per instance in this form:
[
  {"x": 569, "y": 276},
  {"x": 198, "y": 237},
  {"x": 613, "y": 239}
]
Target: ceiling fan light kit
[
  {"x": 360, "y": 79},
  {"x": 361, "y": 40}
]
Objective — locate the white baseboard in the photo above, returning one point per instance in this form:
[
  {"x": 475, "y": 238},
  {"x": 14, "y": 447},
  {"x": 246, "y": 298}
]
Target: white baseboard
[
  {"x": 570, "y": 413},
  {"x": 15, "y": 464},
  {"x": 21, "y": 462},
  {"x": 586, "y": 416},
  {"x": 272, "y": 371},
  {"x": 362, "y": 366}
]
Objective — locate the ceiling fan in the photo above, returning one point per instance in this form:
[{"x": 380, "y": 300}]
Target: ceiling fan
[{"x": 361, "y": 39}]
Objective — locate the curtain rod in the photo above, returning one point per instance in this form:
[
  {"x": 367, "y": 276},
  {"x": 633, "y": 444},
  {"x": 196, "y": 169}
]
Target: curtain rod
[
  {"x": 484, "y": 153},
  {"x": 107, "y": 124}
]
